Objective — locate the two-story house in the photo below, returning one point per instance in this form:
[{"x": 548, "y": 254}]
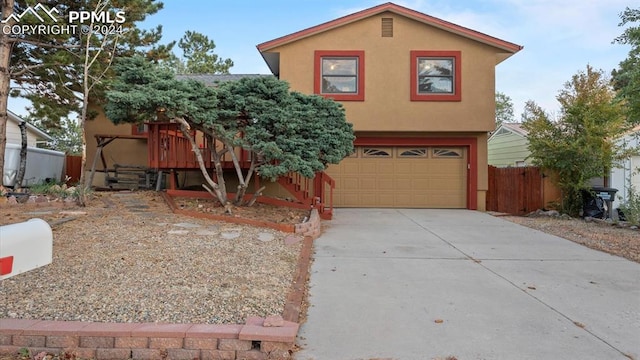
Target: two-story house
[{"x": 420, "y": 92}]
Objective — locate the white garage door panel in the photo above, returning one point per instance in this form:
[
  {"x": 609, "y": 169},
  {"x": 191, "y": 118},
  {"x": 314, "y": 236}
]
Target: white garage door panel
[{"x": 423, "y": 181}]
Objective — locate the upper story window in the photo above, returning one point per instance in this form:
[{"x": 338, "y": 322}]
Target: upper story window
[
  {"x": 339, "y": 74},
  {"x": 436, "y": 76}
]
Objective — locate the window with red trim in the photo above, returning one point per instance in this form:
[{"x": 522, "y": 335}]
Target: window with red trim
[
  {"x": 339, "y": 74},
  {"x": 436, "y": 76}
]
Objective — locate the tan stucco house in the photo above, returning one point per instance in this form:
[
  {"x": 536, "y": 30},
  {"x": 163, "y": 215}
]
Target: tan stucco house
[{"x": 419, "y": 90}]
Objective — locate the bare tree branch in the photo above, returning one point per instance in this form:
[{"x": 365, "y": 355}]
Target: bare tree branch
[
  {"x": 47, "y": 45},
  {"x": 26, "y": 69}
]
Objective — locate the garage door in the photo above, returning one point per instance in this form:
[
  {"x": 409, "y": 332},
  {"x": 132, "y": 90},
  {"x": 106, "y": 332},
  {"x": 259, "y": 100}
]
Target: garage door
[{"x": 416, "y": 177}]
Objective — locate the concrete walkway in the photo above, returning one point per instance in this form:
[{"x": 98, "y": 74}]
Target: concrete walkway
[{"x": 428, "y": 284}]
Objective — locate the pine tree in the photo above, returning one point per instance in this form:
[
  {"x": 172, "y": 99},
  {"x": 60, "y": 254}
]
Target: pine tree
[
  {"x": 284, "y": 131},
  {"x": 48, "y": 68}
]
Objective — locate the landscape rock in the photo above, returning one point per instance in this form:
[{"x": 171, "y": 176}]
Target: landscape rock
[
  {"x": 39, "y": 213},
  {"x": 73, "y": 212},
  {"x": 178, "y": 232},
  {"x": 540, "y": 212},
  {"x": 230, "y": 235},
  {"x": 206, "y": 232},
  {"x": 187, "y": 225},
  {"x": 265, "y": 236}
]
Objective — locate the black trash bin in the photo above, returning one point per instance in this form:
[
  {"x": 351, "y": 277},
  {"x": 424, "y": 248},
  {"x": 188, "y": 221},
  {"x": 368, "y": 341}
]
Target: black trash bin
[{"x": 597, "y": 202}]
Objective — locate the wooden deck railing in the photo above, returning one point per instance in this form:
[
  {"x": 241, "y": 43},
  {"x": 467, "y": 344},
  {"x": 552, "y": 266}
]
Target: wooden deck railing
[
  {"x": 316, "y": 192},
  {"x": 169, "y": 149},
  {"x": 323, "y": 191}
]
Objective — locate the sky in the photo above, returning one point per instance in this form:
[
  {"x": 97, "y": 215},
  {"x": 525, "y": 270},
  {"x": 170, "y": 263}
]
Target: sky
[{"x": 560, "y": 37}]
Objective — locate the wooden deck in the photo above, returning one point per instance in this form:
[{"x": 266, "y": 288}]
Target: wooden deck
[{"x": 170, "y": 151}]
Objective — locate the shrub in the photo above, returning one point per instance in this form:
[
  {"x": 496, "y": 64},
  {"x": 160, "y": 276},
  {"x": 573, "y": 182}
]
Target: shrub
[{"x": 631, "y": 208}]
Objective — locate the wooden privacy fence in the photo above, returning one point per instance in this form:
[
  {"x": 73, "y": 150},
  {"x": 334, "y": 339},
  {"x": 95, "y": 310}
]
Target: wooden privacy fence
[
  {"x": 519, "y": 191},
  {"x": 73, "y": 168}
]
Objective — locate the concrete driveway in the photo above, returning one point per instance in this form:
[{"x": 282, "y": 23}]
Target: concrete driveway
[{"x": 427, "y": 284}]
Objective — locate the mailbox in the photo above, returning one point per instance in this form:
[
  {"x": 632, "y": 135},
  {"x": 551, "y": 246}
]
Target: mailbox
[{"x": 25, "y": 246}]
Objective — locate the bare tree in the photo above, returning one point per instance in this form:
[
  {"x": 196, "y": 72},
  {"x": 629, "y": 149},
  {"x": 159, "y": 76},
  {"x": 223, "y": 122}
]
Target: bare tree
[
  {"x": 5, "y": 82},
  {"x": 96, "y": 51}
]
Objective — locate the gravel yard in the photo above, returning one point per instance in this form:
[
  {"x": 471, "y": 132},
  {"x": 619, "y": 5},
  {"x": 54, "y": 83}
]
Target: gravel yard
[
  {"x": 127, "y": 258},
  {"x": 614, "y": 240}
]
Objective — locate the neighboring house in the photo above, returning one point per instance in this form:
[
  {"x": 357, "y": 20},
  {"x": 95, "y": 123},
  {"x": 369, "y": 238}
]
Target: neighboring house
[
  {"x": 628, "y": 174},
  {"x": 34, "y": 135},
  {"x": 420, "y": 92},
  {"x": 508, "y": 146},
  {"x": 42, "y": 164}
]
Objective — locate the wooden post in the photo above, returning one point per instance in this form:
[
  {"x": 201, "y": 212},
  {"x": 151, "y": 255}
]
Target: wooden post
[{"x": 95, "y": 163}]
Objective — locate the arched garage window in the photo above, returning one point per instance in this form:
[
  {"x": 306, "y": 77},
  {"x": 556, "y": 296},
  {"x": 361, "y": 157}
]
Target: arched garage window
[
  {"x": 376, "y": 152},
  {"x": 446, "y": 153}
]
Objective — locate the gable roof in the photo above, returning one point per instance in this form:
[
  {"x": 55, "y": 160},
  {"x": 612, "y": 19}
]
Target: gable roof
[
  {"x": 631, "y": 134},
  {"x": 39, "y": 133},
  {"x": 513, "y": 128},
  {"x": 400, "y": 10}
]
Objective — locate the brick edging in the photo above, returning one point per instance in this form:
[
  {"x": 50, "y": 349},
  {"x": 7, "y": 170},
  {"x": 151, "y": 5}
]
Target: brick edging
[
  {"x": 293, "y": 306},
  {"x": 309, "y": 228},
  {"x": 258, "y": 338}
]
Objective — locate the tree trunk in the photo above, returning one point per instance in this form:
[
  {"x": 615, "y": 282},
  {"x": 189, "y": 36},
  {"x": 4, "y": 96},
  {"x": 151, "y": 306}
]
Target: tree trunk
[
  {"x": 5, "y": 81},
  {"x": 23, "y": 156},
  {"x": 83, "y": 186},
  {"x": 242, "y": 185},
  {"x": 242, "y": 189},
  {"x": 215, "y": 188},
  {"x": 217, "y": 164}
]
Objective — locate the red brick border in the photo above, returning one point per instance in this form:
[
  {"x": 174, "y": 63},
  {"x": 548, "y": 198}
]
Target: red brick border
[
  {"x": 293, "y": 306},
  {"x": 150, "y": 340},
  {"x": 308, "y": 228}
]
